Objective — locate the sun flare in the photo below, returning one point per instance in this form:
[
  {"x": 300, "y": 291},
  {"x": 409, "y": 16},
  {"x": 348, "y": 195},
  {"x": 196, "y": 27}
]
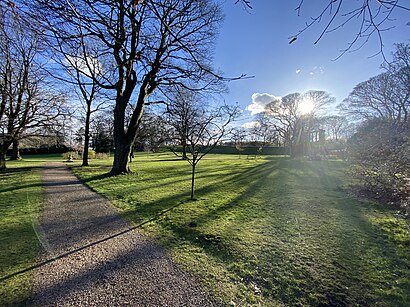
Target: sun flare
[{"x": 306, "y": 106}]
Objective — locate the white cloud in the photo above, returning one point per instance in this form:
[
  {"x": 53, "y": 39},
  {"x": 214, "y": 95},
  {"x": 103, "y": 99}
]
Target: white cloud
[
  {"x": 250, "y": 125},
  {"x": 86, "y": 66},
  {"x": 259, "y": 102}
]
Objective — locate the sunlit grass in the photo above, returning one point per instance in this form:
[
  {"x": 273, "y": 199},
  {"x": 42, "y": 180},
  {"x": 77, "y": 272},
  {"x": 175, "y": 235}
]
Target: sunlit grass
[
  {"x": 269, "y": 231},
  {"x": 20, "y": 201}
]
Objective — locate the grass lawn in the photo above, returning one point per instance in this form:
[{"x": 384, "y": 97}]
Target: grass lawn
[
  {"x": 266, "y": 232},
  {"x": 20, "y": 201}
]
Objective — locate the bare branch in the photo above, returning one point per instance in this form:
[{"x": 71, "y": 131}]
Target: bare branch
[{"x": 373, "y": 18}]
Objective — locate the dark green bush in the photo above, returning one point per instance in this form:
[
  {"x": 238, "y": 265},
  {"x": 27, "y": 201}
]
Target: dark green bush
[{"x": 380, "y": 158}]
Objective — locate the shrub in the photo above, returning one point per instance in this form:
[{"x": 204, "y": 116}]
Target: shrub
[
  {"x": 102, "y": 155},
  {"x": 380, "y": 158},
  {"x": 91, "y": 154}
]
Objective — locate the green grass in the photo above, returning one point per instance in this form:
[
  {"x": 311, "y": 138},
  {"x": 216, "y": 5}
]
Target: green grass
[
  {"x": 266, "y": 232},
  {"x": 20, "y": 202}
]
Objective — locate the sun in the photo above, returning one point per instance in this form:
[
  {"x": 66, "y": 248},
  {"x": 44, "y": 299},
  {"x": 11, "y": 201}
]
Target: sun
[{"x": 306, "y": 107}]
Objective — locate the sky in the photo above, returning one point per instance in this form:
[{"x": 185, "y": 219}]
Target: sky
[{"x": 256, "y": 43}]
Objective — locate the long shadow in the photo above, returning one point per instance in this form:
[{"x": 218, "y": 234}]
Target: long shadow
[
  {"x": 156, "y": 289},
  {"x": 342, "y": 232},
  {"x": 17, "y": 171},
  {"x": 202, "y": 190},
  {"x": 202, "y": 176},
  {"x": 14, "y": 170},
  {"x": 71, "y": 285},
  {"x": 194, "y": 235},
  {"x": 345, "y": 245},
  {"x": 20, "y": 187},
  {"x": 42, "y": 263}
]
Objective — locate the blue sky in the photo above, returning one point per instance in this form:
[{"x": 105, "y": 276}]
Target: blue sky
[{"x": 256, "y": 42}]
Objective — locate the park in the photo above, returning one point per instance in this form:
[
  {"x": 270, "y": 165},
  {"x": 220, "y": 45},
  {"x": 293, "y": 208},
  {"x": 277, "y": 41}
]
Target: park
[
  {"x": 267, "y": 231},
  {"x": 177, "y": 153}
]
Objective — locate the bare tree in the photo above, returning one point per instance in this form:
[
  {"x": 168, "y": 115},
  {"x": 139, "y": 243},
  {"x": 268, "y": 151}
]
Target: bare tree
[
  {"x": 385, "y": 96},
  {"x": 284, "y": 112},
  {"x": 152, "y": 133},
  {"x": 143, "y": 46},
  {"x": 399, "y": 68},
  {"x": 102, "y": 132},
  {"x": 238, "y": 136},
  {"x": 82, "y": 72},
  {"x": 183, "y": 111},
  {"x": 265, "y": 131},
  {"x": 336, "y": 126},
  {"x": 26, "y": 100},
  {"x": 204, "y": 133},
  {"x": 379, "y": 149},
  {"x": 293, "y": 116},
  {"x": 372, "y": 98}
]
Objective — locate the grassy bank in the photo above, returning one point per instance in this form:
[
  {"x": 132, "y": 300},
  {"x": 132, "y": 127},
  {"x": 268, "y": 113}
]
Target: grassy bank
[
  {"x": 20, "y": 202},
  {"x": 271, "y": 231}
]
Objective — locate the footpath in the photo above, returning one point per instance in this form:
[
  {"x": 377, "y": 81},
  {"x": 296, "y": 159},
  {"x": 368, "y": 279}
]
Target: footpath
[{"x": 99, "y": 260}]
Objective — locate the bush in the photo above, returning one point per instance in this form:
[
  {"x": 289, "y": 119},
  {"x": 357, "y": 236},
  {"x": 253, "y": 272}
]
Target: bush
[
  {"x": 91, "y": 154},
  {"x": 380, "y": 158},
  {"x": 102, "y": 155}
]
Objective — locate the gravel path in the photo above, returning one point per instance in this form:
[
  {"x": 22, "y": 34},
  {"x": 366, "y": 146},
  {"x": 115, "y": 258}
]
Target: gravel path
[{"x": 104, "y": 262}]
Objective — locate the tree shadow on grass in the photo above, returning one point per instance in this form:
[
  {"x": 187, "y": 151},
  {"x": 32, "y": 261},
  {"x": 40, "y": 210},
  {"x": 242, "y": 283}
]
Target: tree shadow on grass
[
  {"x": 20, "y": 187},
  {"x": 344, "y": 235},
  {"x": 12, "y": 173},
  {"x": 337, "y": 242},
  {"x": 237, "y": 205}
]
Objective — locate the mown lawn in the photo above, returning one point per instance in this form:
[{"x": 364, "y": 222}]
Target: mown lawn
[
  {"x": 266, "y": 232},
  {"x": 20, "y": 202}
]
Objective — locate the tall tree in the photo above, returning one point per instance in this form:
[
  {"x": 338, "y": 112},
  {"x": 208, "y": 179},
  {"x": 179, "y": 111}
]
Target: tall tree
[
  {"x": 336, "y": 126},
  {"x": 293, "y": 116},
  {"x": 81, "y": 70},
  {"x": 385, "y": 96},
  {"x": 264, "y": 131},
  {"x": 153, "y": 132},
  {"x": 379, "y": 150},
  {"x": 142, "y": 45},
  {"x": 183, "y": 112},
  {"x": 26, "y": 100},
  {"x": 102, "y": 132}
]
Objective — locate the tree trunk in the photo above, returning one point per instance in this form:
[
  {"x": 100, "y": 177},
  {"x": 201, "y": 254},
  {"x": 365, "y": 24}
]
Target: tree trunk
[
  {"x": 193, "y": 181},
  {"x": 123, "y": 141},
  {"x": 184, "y": 156},
  {"x": 15, "y": 154},
  {"x": 86, "y": 136},
  {"x": 121, "y": 156},
  {"x": 2, "y": 160}
]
